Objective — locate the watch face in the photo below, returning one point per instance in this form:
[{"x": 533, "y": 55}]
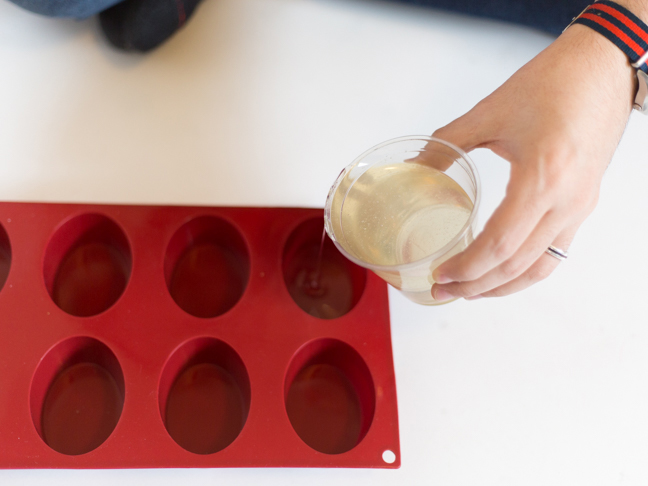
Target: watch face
[{"x": 641, "y": 100}]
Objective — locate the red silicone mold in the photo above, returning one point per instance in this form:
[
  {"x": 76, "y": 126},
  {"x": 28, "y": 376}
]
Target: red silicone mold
[{"x": 143, "y": 336}]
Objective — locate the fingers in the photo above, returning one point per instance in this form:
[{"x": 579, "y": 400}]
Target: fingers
[
  {"x": 466, "y": 132},
  {"x": 543, "y": 235},
  {"x": 508, "y": 228},
  {"x": 537, "y": 211},
  {"x": 536, "y": 265},
  {"x": 541, "y": 269}
]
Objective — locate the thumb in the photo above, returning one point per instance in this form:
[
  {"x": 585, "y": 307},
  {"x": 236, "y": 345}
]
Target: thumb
[{"x": 464, "y": 133}]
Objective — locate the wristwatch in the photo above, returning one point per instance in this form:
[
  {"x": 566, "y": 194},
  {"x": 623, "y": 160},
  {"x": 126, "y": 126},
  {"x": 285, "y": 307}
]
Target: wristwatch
[{"x": 629, "y": 33}]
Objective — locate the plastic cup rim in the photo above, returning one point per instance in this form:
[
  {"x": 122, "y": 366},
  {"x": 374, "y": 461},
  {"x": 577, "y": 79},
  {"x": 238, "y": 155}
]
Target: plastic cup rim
[{"x": 404, "y": 266}]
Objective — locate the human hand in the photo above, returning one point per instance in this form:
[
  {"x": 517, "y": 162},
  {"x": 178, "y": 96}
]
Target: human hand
[{"x": 558, "y": 121}]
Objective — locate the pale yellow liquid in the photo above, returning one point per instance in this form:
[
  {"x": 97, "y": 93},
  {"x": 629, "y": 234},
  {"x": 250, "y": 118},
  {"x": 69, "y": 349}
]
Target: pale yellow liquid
[{"x": 398, "y": 214}]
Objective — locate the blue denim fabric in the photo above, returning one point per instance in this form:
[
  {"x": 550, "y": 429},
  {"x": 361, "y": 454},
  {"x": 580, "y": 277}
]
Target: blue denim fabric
[
  {"x": 548, "y": 15},
  {"x": 77, "y": 9}
]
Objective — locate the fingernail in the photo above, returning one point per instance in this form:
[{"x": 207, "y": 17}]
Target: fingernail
[
  {"x": 441, "y": 295},
  {"x": 442, "y": 279},
  {"x": 474, "y": 297}
]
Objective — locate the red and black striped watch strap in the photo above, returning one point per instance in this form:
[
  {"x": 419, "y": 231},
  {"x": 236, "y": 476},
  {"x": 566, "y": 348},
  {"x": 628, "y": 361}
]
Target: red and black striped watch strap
[{"x": 620, "y": 26}]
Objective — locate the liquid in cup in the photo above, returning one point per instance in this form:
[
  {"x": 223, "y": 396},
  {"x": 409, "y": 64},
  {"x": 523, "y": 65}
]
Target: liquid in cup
[{"x": 403, "y": 208}]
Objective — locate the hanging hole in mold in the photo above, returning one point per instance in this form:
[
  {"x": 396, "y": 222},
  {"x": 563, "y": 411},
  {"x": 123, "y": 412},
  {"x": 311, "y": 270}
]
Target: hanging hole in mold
[
  {"x": 207, "y": 267},
  {"x": 319, "y": 279},
  {"x": 87, "y": 265},
  {"x": 329, "y": 396},
  {"x": 5, "y": 256},
  {"x": 204, "y": 395},
  {"x": 388, "y": 457},
  {"x": 77, "y": 395}
]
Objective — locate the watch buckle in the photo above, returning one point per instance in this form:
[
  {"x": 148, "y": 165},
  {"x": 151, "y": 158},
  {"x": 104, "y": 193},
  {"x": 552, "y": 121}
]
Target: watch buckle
[{"x": 641, "y": 99}]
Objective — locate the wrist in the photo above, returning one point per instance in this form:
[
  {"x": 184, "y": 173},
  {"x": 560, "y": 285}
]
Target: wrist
[
  {"x": 598, "y": 58},
  {"x": 627, "y": 32}
]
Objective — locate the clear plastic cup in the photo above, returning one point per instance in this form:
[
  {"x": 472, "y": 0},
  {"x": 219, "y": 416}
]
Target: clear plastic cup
[{"x": 402, "y": 208}]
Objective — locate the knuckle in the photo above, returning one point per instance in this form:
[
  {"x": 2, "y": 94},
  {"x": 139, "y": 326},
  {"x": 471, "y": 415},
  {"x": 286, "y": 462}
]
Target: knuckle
[
  {"x": 550, "y": 177},
  {"x": 512, "y": 267},
  {"x": 539, "y": 272},
  {"x": 463, "y": 269},
  {"x": 464, "y": 289},
  {"x": 458, "y": 290},
  {"x": 440, "y": 132},
  {"x": 502, "y": 246},
  {"x": 588, "y": 202},
  {"x": 593, "y": 202},
  {"x": 449, "y": 131},
  {"x": 579, "y": 204},
  {"x": 467, "y": 275},
  {"x": 550, "y": 185},
  {"x": 575, "y": 191}
]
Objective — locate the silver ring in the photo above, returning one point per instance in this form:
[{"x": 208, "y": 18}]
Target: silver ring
[{"x": 557, "y": 253}]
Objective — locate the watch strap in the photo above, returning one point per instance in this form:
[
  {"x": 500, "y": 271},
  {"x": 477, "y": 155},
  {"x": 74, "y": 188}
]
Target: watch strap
[{"x": 623, "y": 28}]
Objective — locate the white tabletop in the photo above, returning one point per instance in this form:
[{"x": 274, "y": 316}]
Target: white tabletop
[{"x": 261, "y": 103}]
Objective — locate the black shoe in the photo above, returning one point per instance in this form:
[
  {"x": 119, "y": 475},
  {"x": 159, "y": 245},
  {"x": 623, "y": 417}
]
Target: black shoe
[{"x": 142, "y": 25}]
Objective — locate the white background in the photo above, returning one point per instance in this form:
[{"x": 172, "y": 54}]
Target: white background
[{"x": 261, "y": 103}]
